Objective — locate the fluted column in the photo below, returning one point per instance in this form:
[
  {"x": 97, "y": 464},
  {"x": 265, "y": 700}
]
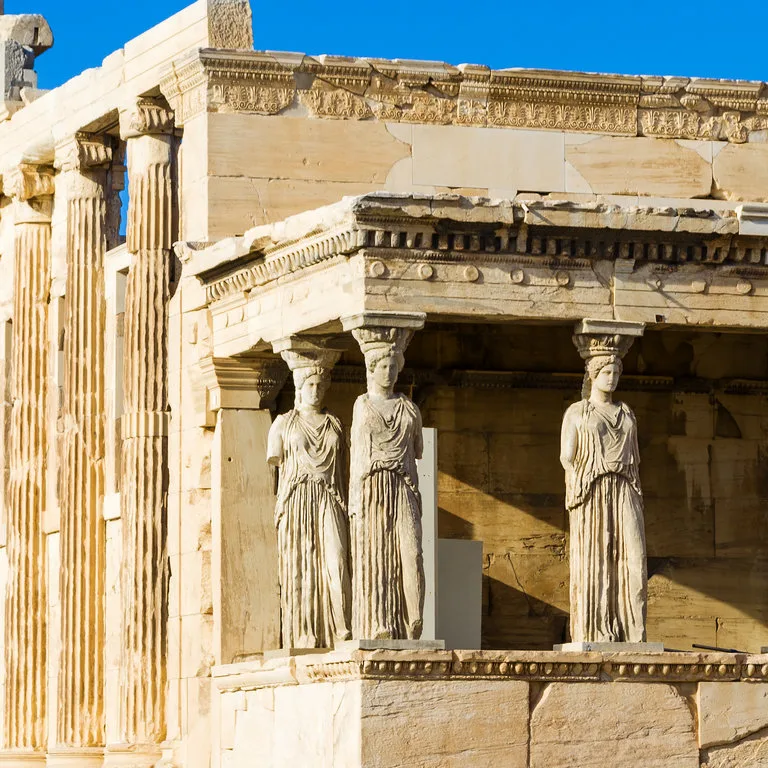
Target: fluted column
[
  {"x": 143, "y": 496},
  {"x": 25, "y": 606},
  {"x": 80, "y": 727}
]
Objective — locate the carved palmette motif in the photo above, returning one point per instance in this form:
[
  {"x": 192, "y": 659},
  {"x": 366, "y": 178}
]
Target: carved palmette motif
[{"x": 435, "y": 93}]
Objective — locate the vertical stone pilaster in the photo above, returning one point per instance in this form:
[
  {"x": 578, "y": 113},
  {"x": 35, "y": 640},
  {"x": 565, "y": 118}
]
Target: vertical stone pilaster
[
  {"x": 246, "y": 599},
  {"x": 143, "y": 498},
  {"x": 25, "y": 607},
  {"x": 80, "y": 724}
]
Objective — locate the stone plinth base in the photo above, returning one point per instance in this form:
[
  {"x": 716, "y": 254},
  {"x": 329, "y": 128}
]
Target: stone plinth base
[
  {"x": 285, "y": 653},
  {"x": 19, "y": 758},
  {"x": 390, "y": 645},
  {"x": 125, "y": 756},
  {"x": 76, "y": 758},
  {"x": 612, "y": 647},
  {"x": 467, "y": 709}
]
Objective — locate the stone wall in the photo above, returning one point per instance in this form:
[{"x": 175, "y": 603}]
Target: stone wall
[
  {"x": 496, "y": 395},
  {"x": 293, "y": 163}
]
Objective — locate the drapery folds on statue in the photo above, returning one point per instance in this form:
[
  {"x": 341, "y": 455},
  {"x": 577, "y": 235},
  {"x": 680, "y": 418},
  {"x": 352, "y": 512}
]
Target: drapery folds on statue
[
  {"x": 600, "y": 455},
  {"x": 385, "y": 505},
  {"x": 308, "y": 445}
]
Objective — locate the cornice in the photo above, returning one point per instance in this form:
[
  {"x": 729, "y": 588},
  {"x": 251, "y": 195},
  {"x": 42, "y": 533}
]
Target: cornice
[
  {"x": 338, "y": 87},
  {"x": 452, "y": 230},
  {"x": 531, "y": 666}
]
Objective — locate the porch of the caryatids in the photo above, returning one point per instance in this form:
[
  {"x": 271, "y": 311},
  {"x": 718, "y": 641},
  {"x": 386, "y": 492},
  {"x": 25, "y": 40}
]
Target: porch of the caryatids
[
  {"x": 83, "y": 162},
  {"x": 25, "y": 727},
  {"x": 148, "y": 129}
]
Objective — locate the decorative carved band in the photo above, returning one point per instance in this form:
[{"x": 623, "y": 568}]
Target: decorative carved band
[
  {"x": 558, "y": 235},
  {"x": 532, "y": 666},
  {"x": 437, "y": 93}
]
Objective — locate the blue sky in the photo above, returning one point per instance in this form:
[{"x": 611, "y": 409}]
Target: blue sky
[{"x": 705, "y": 39}]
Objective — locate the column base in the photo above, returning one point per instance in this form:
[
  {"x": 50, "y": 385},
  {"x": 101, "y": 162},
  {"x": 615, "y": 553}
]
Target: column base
[
  {"x": 132, "y": 756},
  {"x": 612, "y": 647},
  {"x": 75, "y": 757},
  {"x": 13, "y": 758}
]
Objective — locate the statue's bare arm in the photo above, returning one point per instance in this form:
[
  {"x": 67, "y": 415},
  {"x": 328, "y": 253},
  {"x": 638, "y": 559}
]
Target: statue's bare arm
[
  {"x": 275, "y": 442},
  {"x": 568, "y": 440}
]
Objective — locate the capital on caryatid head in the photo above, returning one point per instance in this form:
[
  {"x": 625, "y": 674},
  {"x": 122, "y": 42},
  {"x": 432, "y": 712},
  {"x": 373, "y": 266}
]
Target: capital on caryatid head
[
  {"x": 597, "y": 338},
  {"x": 147, "y": 117},
  {"x": 373, "y": 330},
  {"x": 302, "y": 351},
  {"x": 83, "y": 152},
  {"x": 246, "y": 383}
]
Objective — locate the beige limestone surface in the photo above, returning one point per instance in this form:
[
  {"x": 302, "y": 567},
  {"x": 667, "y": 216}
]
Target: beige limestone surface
[
  {"x": 729, "y": 713},
  {"x": 618, "y": 725}
]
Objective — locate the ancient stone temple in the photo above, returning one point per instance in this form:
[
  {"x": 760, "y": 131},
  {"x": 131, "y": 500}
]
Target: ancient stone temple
[{"x": 367, "y": 413}]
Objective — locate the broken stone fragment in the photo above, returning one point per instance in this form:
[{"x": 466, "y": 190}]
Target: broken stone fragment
[
  {"x": 30, "y": 30},
  {"x": 22, "y": 38}
]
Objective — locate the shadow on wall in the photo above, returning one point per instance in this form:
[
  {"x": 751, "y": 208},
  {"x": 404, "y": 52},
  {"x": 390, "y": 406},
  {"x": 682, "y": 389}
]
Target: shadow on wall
[{"x": 703, "y": 427}]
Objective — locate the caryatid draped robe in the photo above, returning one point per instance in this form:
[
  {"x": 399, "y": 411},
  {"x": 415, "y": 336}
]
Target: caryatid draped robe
[
  {"x": 385, "y": 508},
  {"x": 605, "y": 505},
  {"x": 312, "y": 530}
]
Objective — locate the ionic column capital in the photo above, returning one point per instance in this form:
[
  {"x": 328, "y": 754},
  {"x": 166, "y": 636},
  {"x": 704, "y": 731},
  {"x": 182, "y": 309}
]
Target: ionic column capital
[
  {"x": 243, "y": 383},
  {"x": 28, "y": 181},
  {"x": 605, "y": 337},
  {"x": 82, "y": 152},
  {"x": 147, "y": 117},
  {"x": 31, "y": 188}
]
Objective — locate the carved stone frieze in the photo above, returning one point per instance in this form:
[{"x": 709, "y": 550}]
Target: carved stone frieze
[
  {"x": 436, "y": 93},
  {"x": 325, "y": 101},
  {"x": 228, "y": 81}
]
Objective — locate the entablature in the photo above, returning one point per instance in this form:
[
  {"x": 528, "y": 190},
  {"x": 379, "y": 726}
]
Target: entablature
[{"x": 464, "y": 258}]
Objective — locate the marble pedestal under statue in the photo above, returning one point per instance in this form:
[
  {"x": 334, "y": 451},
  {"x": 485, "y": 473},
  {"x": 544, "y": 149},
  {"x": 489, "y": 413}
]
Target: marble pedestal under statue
[{"x": 611, "y": 647}]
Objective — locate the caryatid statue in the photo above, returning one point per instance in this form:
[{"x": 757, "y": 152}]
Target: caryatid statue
[
  {"x": 385, "y": 504},
  {"x": 599, "y": 453},
  {"x": 308, "y": 445}
]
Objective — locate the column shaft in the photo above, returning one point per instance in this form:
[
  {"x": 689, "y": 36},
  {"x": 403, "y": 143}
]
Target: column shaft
[
  {"x": 25, "y": 609},
  {"x": 145, "y": 443},
  {"x": 83, "y": 539}
]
